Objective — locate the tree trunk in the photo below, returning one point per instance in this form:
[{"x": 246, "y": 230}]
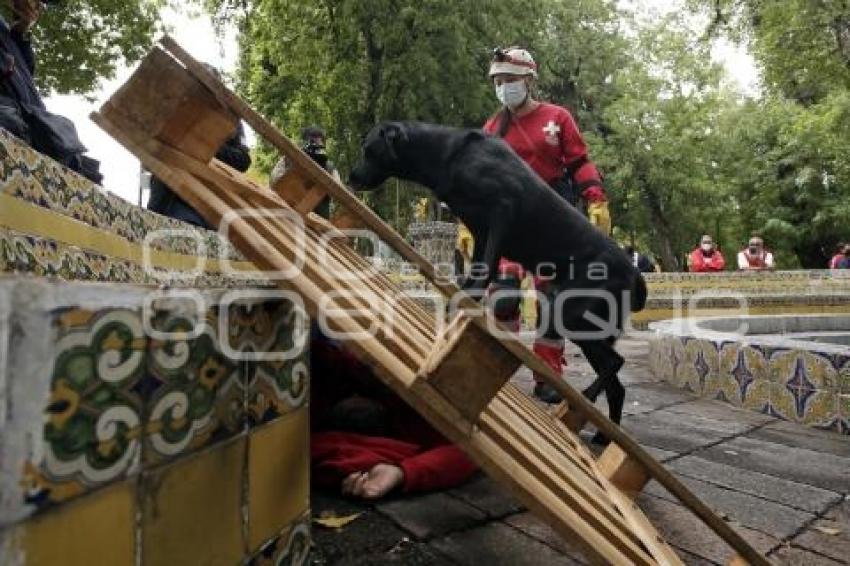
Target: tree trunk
[{"x": 663, "y": 233}]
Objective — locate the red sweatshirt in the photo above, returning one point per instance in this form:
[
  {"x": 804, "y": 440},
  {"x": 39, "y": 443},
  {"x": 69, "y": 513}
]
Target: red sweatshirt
[
  {"x": 429, "y": 461},
  {"x": 548, "y": 139}
]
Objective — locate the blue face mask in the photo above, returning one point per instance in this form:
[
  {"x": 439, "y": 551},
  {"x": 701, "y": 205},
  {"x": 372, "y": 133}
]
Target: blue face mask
[{"x": 512, "y": 94}]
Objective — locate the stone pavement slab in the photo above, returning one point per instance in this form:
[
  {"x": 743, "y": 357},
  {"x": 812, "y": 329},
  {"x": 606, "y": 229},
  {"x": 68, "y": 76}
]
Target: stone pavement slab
[
  {"x": 829, "y": 536},
  {"x": 647, "y": 397},
  {"x": 497, "y": 544},
  {"x": 797, "y": 464},
  {"x": 371, "y": 535},
  {"x": 726, "y": 426},
  {"x": 792, "y": 556},
  {"x": 766, "y": 516},
  {"x": 683, "y": 530},
  {"x": 432, "y": 515},
  {"x": 489, "y": 497},
  {"x": 721, "y": 411},
  {"x": 792, "y": 494},
  {"x": 677, "y": 435},
  {"x": 538, "y": 530},
  {"x": 791, "y": 434}
]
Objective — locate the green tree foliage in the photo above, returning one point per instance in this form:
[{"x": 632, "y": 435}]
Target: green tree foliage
[
  {"x": 787, "y": 153},
  {"x": 347, "y": 64},
  {"x": 803, "y": 45},
  {"x": 80, "y": 42},
  {"x": 683, "y": 154},
  {"x": 660, "y": 154}
]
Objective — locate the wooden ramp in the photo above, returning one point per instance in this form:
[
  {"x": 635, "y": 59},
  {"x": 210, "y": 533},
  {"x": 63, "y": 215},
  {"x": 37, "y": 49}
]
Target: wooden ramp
[{"x": 173, "y": 114}]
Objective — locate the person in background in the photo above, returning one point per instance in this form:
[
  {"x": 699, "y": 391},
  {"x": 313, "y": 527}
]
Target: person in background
[
  {"x": 164, "y": 201},
  {"x": 755, "y": 257},
  {"x": 706, "y": 258},
  {"x": 844, "y": 261},
  {"x": 547, "y": 138},
  {"x": 640, "y": 261},
  {"x": 839, "y": 255},
  {"x": 313, "y": 144},
  {"x": 22, "y": 111}
]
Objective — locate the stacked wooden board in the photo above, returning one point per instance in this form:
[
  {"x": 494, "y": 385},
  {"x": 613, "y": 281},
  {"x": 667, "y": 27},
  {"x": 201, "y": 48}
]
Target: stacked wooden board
[{"x": 173, "y": 114}]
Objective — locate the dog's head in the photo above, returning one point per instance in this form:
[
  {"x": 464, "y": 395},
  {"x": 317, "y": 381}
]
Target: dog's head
[{"x": 380, "y": 156}]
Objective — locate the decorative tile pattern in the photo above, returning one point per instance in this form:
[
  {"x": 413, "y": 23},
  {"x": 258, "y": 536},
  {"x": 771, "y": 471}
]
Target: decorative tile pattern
[
  {"x": 94, "y": 426},
  {"x": 777, "y": 377},
  {"x": 290, "y": 548},
  {"x": 193, "y": 394},
  {"x": 118, "y": 400},
  {"x": 700, "y": 364},
  {"x": 37, "y": 179}
]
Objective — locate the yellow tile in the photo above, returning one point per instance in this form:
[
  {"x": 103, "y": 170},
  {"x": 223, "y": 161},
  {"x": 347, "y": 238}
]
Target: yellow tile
[
  {"x": 278, "y": 477},
  {"x": 97, "y": 529},
  {"x": 192, "y": 509}
]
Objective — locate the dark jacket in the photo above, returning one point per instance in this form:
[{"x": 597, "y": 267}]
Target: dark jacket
[
  {"x": 165, "y": 202},
  {"x": 22, "y": 111}
]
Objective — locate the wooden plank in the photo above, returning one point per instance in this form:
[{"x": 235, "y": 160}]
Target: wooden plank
[
  {"x": 311, "y": 200},
  {"x": 574, "y": 420},
  {"x": 291, "y": 187},
  {"x": 573, "y": 489},
  {"x": 470, "y": 369},
  {"x": 626, "y": 473},
  {"x": 259, "y": 250},
  {"x": 345, "y": 220},
  {"x": 165, "y": 102}
]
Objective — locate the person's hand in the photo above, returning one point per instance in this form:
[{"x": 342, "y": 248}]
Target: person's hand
[
  {"x": 27, "y": 12},
  {"x": 374, "y": 484}
]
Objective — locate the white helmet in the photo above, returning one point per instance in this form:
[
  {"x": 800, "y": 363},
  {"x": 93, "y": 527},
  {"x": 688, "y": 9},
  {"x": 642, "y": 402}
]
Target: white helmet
[{"x": 513, "y": 61}]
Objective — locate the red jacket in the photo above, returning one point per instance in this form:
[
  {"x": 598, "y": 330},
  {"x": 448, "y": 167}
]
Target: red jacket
[
  {"x": 700, "y": 263},
  {"x": 548, "y": 139}
]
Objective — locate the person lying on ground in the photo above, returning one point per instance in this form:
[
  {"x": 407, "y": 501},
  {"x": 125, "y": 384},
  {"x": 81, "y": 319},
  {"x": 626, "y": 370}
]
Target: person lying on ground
[{"x": 366, "y": 442}]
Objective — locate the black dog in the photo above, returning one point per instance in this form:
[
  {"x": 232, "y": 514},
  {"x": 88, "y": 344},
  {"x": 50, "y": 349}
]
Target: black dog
[{"x": 511, "y": 212}]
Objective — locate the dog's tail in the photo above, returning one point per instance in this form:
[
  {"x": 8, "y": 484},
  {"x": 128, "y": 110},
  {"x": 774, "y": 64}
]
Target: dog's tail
[{"x": 639, "y": 293}]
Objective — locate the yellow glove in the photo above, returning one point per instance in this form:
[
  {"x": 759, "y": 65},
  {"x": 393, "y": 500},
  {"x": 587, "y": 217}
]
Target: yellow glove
[{"x": 599, "y": 216}]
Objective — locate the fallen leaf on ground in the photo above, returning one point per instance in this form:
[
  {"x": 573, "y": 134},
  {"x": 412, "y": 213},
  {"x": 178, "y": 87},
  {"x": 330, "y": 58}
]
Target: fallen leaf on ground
[
  {"x": 828, "y": 531},
  {"x": 330, "y": 521}
]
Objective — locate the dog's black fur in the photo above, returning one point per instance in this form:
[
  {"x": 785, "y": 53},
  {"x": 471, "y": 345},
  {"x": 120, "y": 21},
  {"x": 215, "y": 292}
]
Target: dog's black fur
[{"x": 512, "y": 213}]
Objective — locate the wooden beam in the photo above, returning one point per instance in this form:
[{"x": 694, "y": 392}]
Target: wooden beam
[
  {"x": 626, "y": 473},
  {"x": 574, "y": 420}
]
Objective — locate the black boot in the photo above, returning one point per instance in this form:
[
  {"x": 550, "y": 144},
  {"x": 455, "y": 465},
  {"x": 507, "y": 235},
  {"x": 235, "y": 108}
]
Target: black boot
[{"x": 547, "y": 393}]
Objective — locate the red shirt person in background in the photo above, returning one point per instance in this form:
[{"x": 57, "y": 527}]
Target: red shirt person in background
[
  {"x": 547, "y": 138},
  {"x": 366, "y": 442},
  {"x": 706, "y": 258},
  {"x": 838, "y": 257},
  {"x": 755, "y": 257}
]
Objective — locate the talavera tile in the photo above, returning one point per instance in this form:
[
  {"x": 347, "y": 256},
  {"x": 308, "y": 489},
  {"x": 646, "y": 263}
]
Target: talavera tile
[
  {"x": 701, "y": 364},
  {"x": 192, "y": 508},
  {"x": 273, "y": 336},
  {"x": 278, "y": 476},
  {"x": 98, "y": 529},
  {"x": 92, "y": 432},
  {"x": 290, "y": 547},
  {"x": 193, "y": 393}
]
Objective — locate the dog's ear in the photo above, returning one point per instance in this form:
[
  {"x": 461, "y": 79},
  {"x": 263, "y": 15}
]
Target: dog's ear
[{"x": 395, "y": 136}]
